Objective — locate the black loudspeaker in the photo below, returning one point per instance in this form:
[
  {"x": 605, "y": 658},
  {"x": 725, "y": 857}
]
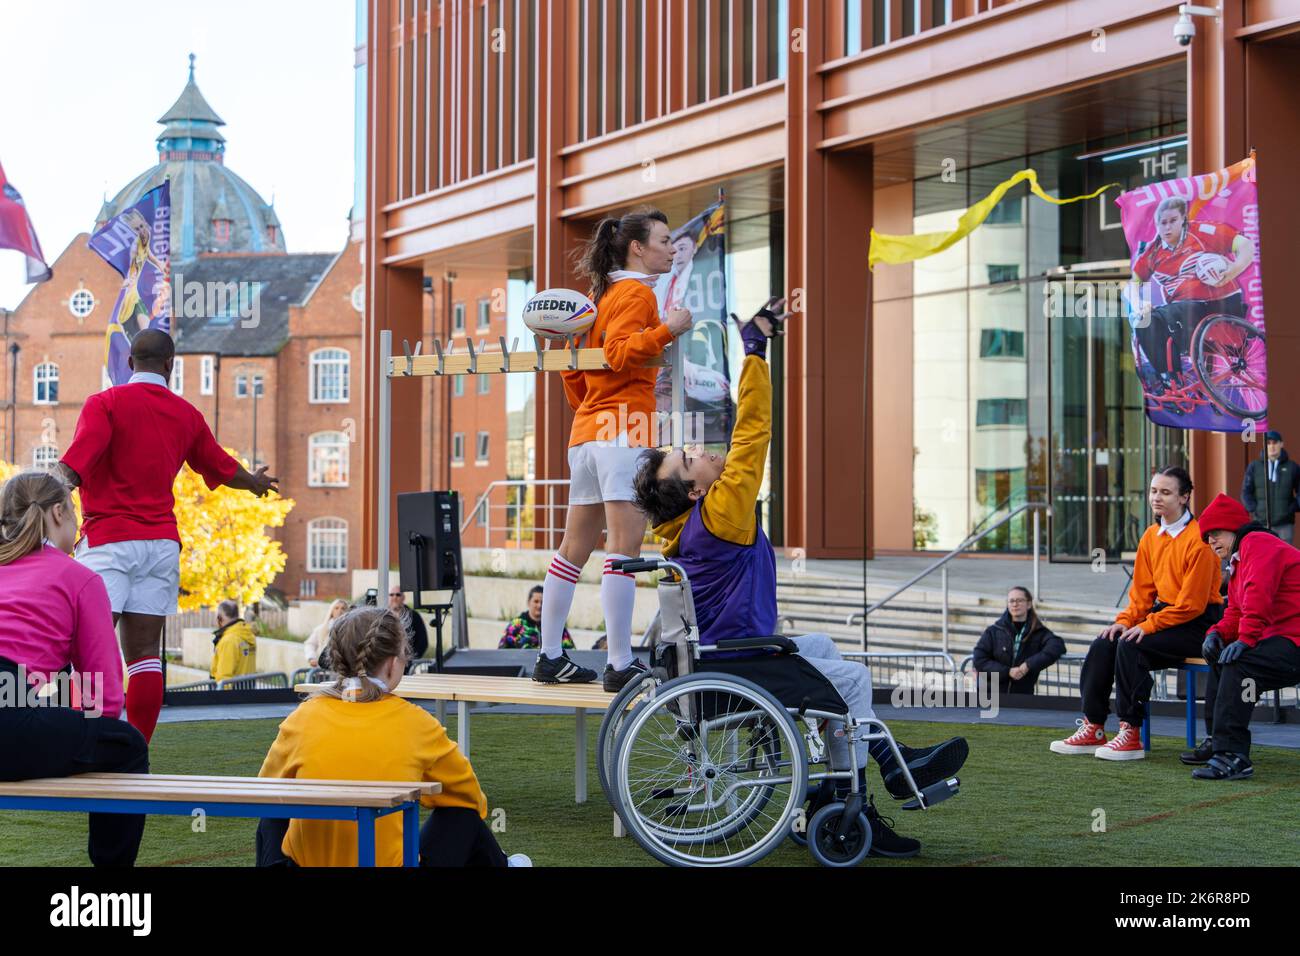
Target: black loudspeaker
[{"x": 428, "y": 535}]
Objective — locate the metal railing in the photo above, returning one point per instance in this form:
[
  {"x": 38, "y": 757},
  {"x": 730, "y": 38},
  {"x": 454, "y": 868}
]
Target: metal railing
[
  {"x": 263, "y": 681},
  {"x": 942, "y": 566},
  {"x": 888, "y": 668},
  {"x": 483, "y": 509}
]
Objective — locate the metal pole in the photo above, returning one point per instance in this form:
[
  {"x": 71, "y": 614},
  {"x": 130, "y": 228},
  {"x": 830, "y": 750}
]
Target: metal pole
[
  {"x": 679, "y": 391},
  {"x": 256, "y": 389},
  {"x": 944, "y": 575},
  {"x": 1038, "y": 593},
  {"x": 385, "y": 463}
]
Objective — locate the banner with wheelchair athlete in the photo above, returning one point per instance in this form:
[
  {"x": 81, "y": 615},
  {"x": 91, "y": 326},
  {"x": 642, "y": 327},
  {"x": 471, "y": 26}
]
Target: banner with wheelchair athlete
[{"x": 1196, "y": 300}]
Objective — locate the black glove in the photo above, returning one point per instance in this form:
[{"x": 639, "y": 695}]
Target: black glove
[
  {"x": 1232, "y": 652},
  {"x": 1212, "y": 647},
  {"x": 768, "y": 322}
]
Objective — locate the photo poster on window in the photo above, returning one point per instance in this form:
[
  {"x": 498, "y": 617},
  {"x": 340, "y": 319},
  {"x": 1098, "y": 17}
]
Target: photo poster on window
[
  {"x": 137, "y": 243},
  {"x": 1196, "y": 300},
  {"x": 698, "y": 282}
]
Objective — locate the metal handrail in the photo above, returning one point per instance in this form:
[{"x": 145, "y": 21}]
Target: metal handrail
[
  {"x": 513, "y": 483},
  {"x": 942, "y": 565}
]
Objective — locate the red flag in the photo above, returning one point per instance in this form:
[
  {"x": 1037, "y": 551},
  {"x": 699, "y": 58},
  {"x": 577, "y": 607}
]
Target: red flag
[{"x": 16, "y": 231}]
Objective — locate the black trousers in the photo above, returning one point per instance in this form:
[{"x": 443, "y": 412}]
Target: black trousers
[
  {"x": 1126, "y": 666},
  {"x": 60, "y": 742},
  {"x": 452, "y": 837},
  {"x": 1269, "y": 665}
]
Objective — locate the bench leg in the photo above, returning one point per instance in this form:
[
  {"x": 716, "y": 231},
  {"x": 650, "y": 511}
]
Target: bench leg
[
  {"x": 365, "y": 836},
  {"x": 440, "y": 711},
  {"x": 580, "y": 751},
  {"x": 1191, "y": 709},
  {"x": 1146, "y": 726},
  {"x": 411, "y": 835},
  {"x": 619, "y": 832},
  {"x": 462, "y": 726}
]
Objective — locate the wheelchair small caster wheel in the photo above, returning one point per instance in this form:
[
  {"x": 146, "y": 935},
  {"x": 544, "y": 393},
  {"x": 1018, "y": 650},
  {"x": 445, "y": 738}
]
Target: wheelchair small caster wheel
[{"x": 831, "y": 848}]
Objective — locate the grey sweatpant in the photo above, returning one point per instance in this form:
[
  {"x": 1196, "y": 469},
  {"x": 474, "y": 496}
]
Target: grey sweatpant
[{"x": 852, "y": 681}]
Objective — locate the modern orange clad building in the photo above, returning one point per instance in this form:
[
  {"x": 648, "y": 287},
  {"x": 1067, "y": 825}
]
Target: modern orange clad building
[{"x": 913, "y": 402}]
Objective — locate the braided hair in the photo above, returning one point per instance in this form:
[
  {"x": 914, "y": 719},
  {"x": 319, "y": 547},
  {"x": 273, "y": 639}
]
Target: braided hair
[{"x": 362, "y": 641}]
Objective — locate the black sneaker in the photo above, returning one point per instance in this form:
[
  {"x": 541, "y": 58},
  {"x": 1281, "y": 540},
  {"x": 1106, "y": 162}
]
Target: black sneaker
[
  {"x": 884, "y": 841},
  {"x": 561, "y": 670},
  {"x": 615, "y": 681},
  {"x": 1201, "y": 755},
  {"x": 928, "y": 765}
]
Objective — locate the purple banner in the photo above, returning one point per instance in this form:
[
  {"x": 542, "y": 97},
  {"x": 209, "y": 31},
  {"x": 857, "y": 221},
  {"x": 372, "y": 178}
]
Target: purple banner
[
  {"x": 1196, "y": 302},
  {"x": 137, "y": 243}
]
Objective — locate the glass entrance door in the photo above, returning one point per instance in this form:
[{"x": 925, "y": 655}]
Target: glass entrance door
[{"x": 1103, "y": 446}]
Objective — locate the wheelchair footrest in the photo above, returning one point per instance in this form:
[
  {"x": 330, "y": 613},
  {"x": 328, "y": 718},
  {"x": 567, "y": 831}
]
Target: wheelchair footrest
[{"x": 935, "y": 793}]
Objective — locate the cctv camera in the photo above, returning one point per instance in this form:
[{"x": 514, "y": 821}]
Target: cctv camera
[{"x": 1184, "y": 30}]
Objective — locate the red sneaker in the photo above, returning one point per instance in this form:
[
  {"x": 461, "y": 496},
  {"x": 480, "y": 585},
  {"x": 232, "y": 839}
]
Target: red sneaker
[
  {"x": 1125, "y": 745},
  {"x": 1088, "y": 739}
]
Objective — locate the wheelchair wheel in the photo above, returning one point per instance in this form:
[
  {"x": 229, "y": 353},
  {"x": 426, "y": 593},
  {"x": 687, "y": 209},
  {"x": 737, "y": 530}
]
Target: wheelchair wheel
[
  {"x": 709, "y": 772},
  {"x": 619, "y": 709},
  {"x": 1230, "y": 361},
  {"x": 828, "y": 847}
]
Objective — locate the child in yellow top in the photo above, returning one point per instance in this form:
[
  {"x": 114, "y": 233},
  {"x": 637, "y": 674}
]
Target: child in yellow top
[{"x": 359, "y": 730}]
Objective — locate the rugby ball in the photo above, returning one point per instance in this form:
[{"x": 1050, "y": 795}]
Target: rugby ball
[
  {"x": 559, "y": 313},
  {"x": 1211, "y": 268}
]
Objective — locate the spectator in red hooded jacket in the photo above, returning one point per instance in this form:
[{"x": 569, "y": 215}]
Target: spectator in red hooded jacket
[{"x": 1256, "y": 647}]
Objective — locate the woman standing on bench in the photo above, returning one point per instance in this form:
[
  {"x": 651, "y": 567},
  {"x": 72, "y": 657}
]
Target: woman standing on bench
[
  {"x": 359, "y": 730},
  {"x": 54, "y": 613}
]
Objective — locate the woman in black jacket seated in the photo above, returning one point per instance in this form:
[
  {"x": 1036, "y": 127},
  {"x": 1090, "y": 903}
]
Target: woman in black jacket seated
[{"x": 1018, "y": 646}]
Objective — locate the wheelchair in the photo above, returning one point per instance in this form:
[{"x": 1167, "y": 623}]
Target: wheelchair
[{"x": 710, "y": 759}]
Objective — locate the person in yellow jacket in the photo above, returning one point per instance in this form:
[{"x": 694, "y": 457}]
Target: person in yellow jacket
[
  {"x": 234, "y": 645},
  {"x": 358, "y": 729}
]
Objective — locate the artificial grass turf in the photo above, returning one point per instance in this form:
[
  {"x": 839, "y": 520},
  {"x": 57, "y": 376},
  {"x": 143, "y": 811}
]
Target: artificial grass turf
[{"x": 1019, "y": 804}]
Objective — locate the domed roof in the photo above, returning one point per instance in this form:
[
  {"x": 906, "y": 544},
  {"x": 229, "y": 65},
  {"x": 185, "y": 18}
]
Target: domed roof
[{"x": 213, "y": 210}]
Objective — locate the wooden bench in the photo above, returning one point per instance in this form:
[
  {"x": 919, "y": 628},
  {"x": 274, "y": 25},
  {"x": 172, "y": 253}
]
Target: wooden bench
[
  {"x": 466, "y": 689},
  {"x": 362, "y": 801},
  {"x": 1193, "y": 666}
]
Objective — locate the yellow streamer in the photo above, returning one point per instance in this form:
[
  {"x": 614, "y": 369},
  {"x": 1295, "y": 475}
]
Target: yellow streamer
[{"x": 895, "y": 250}]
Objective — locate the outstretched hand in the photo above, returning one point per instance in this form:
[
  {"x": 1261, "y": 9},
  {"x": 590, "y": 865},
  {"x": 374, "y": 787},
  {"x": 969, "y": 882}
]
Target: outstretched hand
[
  {"x": 767, "y": 323},
  {"x": 259, "y": 482}
]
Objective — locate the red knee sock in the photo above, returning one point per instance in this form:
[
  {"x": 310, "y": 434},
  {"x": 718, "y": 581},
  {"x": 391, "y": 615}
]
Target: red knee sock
[{"x": 144, "y": 694}]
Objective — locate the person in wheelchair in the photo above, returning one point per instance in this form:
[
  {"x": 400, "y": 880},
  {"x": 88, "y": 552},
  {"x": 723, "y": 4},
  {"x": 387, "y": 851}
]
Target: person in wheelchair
[
  {"x": 1196, "y": 265},
  {"x": 704, "y": 506}
]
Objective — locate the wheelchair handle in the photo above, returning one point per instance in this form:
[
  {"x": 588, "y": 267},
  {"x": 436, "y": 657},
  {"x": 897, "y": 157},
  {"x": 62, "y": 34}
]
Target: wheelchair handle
[{"x": 634, "y": 565}]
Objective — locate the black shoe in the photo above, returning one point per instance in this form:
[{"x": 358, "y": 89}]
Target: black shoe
[
  {"x": 884, "y": 841},
  {"x": 615, "y": 681},
  {"x": 928, "y": 765},
  {"x": 1201, "y": 755},
  {"x": 561, "y": 670},
  {"x": 1225, "y": 766}
]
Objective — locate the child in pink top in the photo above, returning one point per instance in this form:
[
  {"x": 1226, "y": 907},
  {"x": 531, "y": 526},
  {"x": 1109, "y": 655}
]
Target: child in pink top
[{"x": 54, "y": 613}]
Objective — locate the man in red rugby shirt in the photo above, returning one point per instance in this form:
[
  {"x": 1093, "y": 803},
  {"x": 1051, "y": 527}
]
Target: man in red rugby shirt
[{"x": 130, "y": 443}]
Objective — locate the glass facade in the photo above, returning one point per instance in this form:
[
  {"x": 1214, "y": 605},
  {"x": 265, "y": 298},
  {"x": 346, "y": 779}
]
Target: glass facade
[{"x": 1024, "y": 386}]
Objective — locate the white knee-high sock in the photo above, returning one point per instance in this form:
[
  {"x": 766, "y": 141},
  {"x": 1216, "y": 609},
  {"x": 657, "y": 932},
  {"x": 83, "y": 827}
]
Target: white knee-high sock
[
  {"x": 557, "y": 599},
  {"x": 617, "y": 597}
]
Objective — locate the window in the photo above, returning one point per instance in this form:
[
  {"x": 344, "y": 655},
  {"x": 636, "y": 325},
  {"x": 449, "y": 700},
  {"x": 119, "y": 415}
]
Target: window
[
  {"x": 45, "y": 457},
  {"x": 46, "y": 384},
  {"x": 178, "y": 376},
  {"x": 1003, "y": 273},
  {"x": 484, "y": 446},
  {"x": 330, "y": 375},
  {"x": 458, "y": 447},
  {"x": 327, "y": 546},
  {"x": 327, "y": 460},
  {"x": 484, "y": 314},
  {"x": 242, "y": 389},
  {"x": 82, "y": 303},
  {"x": 1001, "y": 411},
  {"x": 458, "y": 317},
  {"x": 458, "y": 385},
  {"x": 484, "y": 384},
  {"x": 1002, "y": 343},
  {"x": 205, "y": 375}
]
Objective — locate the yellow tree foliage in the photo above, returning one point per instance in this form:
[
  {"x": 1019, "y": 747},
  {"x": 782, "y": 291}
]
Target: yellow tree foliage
[{"x": 225, "y": 550}]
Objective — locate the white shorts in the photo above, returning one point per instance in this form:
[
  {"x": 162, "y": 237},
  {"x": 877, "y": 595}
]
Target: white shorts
[
  {"x": 142, "y": 577},
  {"x": 602, "y": 471}
]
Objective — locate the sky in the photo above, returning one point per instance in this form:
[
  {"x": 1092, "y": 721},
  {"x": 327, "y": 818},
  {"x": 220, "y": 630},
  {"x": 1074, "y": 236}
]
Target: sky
[{"x": 84, "y": 82}]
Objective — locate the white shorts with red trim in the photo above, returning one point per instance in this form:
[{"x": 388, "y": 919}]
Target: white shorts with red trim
[
  {"x": 142, "y": 577},
  {"x": 602, "y": 471}
]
